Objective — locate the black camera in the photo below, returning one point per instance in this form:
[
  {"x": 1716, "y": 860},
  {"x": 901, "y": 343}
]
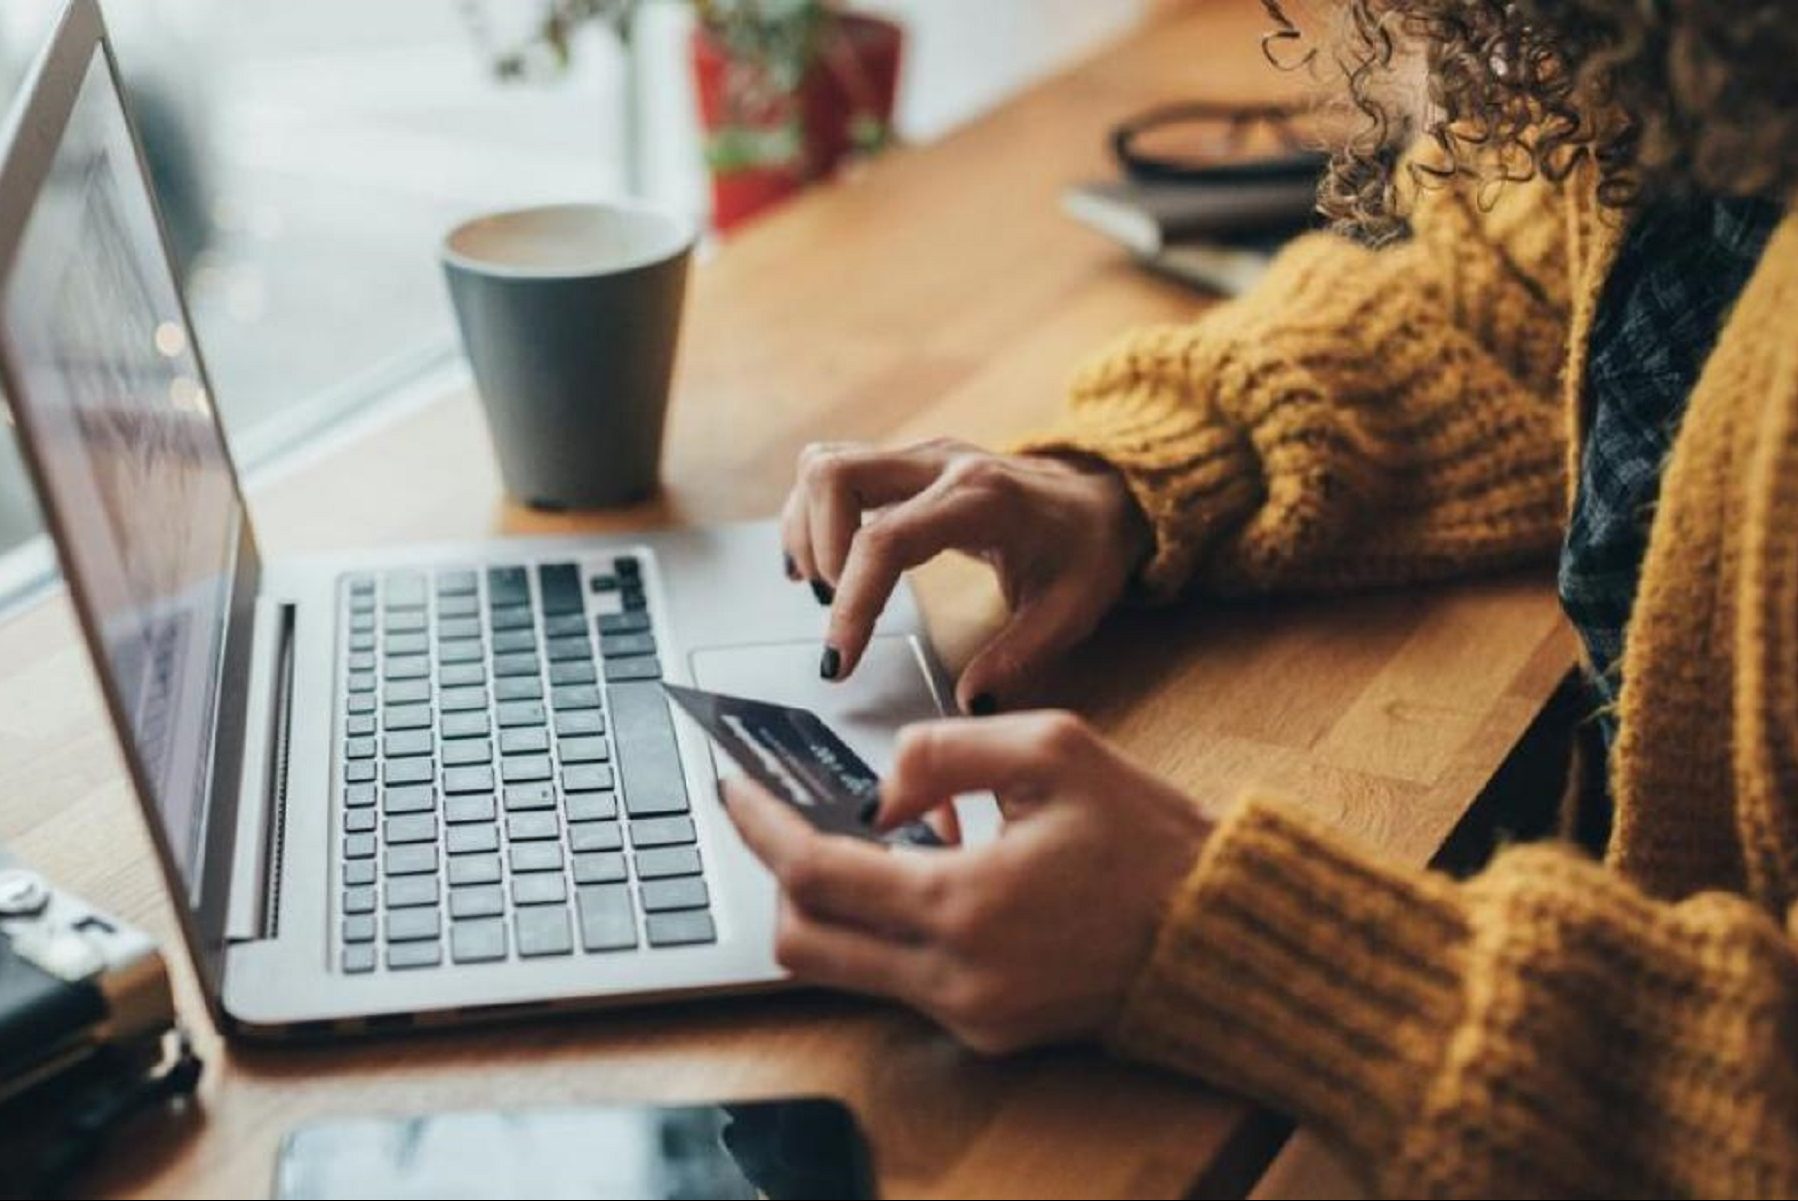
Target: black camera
[{"x": 87, "y": 1030}]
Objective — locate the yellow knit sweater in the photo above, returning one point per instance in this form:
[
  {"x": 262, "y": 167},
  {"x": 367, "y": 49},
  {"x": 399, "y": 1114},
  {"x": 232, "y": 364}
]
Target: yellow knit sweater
[{"x": 1550, "y": 1027}]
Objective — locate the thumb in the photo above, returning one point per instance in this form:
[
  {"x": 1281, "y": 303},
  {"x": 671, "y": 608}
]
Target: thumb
[
  {"x": 1039, "y": 630},
  {"x": 938, "y": 760}
]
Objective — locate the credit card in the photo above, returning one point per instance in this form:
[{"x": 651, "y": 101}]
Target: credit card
[{"x": 794, "y": 755}]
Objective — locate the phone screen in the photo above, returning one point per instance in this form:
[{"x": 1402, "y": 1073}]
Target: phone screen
[{"x": 799, "y": 1148}]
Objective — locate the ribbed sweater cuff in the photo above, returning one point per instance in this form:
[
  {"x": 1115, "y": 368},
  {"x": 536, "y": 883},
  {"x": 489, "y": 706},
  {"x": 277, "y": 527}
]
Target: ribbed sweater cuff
[
  {"x": 1193, "y": 477},
  {"x": 1299, "y": 971}
]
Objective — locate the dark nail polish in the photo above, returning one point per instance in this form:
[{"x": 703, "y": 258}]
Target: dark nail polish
[
  {"x": 824, "y": 592},
  {"x": 870, "y": 811},
  {"x": 984, "y": 705},
  {"x": 831, "y": 664},
  {"x": 791, "y": 567}
]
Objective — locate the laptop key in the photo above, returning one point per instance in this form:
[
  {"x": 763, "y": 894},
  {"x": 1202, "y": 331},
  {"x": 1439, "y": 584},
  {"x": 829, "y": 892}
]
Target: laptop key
[
  {"x": 362, "y": 623},
  {"x": 461, "y": 675},
  {"x": 521, "y": 713},
  {"x": 360, "y": 585},
  {"x": 564, "y": 625},
  {"x": 360, "y": 899},
  {"x": 462, "y": 650},
  {"x": 359, "y": 928},
  {"x": 458, "y": 606},
  {"x": 479, "y": 941},
  {"x": 633, "y": 599},
  {"x": 574, "y": 696},
  {"x": 518, "y": 688},
  {"x": 413, "y": 827},
  {"x": 457, "y": 700},
  {"x": 407, "y": 717},
  {"x": 403, "y": 744},
  {"x": 465, "y": 752},
  {"x": 468, "y": 779},
  {"x": 406, "y": 692},
  {"x": 464, "y": 725},
  {"x": 412, "y": 860},
  {"x": 524, "y": 769},
  {"x": 623, "y": 623},
  {"x": 561, "y": 650},
  {"x": 579, "y": 722},
  {"x": 663, "y": 832},
  {"x": 516, "y": 617},
  {"x": 413, "y": 798},
  {"x": 543, "y": 930},
  {"x": 409, "y": 891},
  {"x": 362, "y": 681},
  {"x": 458, "y": 627},
  {"x": 532, "y": 827},
  {"x": 591, "y": 777},
  {"x": 515, "y": 665},
  {"x": 359, "y": 871},
  {"x": 583, "y": 750},
  {"x": 595, "y": 836},
  {"x": 364, "y": 703},
  {"x": 508, "y": 586},
  {"x": 607, "y": 923},
  {"x": 404, "y": 590},
  {"x": 456, "y": 583},
  {"x": 407, "y": 667},
  {"x": 648, "y": 759},
  {"x": 359, "y": 846},
  {"x": 407, "y": 644},
  {"x": 361, "y": 661},
  {"x": 663, "y": 862},
  {"x": 477, "y": 900},
  {"x": 359, "y": 958},
  {"x": 360, "y": 724},
  {"x": 405, "y": 621},
  {"x": 536, "y": 857},
  {"x": 410, "y": 771},
  {"x": 414, "y": 954},
  {"x": 360, "y": 771},
  {"x": 471, "y": 839},
  {"x": 559, "y": 588},
  {"x": 626, "y": 646},
  {"x": 359, "y": 821},
  {"x": 409, "y": 925},
  {"x": 572, "y": 672},
  {"x": 473, "y": 869},
  {"x": 591, "y": 806},
  {"x": 511, "y": 642},
  {"x": 523, "y": 742},
  {"x": 663, "y": 896},
  {"x": 687, "y": 928},
  {"x": 539, "y": 888},
  {"x": 358, "y": 796},
  {"x": 604, "y": 583},
  {"x": 619, "y": 671},
  {"x": 627, "y": 566},
  {"x": 599, "y": 867},
  {"x": 523, "y": 797},
  {"x": 458, "y": 810},
  {"x": 362, "y": 642}
]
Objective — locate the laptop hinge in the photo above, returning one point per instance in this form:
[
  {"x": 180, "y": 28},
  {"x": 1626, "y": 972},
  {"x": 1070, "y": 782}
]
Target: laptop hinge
[{"x": 254, "y": 909}]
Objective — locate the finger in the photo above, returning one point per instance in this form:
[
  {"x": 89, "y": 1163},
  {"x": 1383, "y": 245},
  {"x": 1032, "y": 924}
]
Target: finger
[
  {"x": 842, "y": 482},
  {"x": 909, "y": 534},
  {"x": 796, "y": 536},
  {"x": 1040, "y": 630},
  {"x": 1013, "y": 755},
  {"x": 946, "y": 822},
  {"x": 840, "y": 878},
  {"x": 818, "y": 951}
]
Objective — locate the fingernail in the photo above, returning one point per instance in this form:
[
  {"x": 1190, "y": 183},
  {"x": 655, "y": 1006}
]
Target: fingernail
[
  {"x": 723, "y": 799},
  {"x": 984, "y": 705},
  {"x": 831, "y": 664},
  {"x": 870, "y": 810},
  {"x": 792, "y": 568},
  {"x": 824, "y": 592}
]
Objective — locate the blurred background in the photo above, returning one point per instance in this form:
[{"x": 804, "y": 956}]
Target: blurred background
[{"x": 310, "y": 155}]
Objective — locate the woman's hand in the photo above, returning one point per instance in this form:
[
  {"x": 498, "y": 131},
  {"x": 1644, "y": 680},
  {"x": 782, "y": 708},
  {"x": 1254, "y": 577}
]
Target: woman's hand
[
  {"x": 1062, "y": 535},
  {"x": 1033, "y": 938}
]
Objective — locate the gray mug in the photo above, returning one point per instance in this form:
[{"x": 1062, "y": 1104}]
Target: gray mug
[{"x": 570, "y": 315}]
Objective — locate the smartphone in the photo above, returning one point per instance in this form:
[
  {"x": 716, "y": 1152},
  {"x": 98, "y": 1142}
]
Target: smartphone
[{"x": 803, "y": 1147}]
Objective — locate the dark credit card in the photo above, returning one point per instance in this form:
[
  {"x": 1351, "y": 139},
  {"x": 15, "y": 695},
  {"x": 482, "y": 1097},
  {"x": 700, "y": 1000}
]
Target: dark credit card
[{"x": 795, "y": 756}]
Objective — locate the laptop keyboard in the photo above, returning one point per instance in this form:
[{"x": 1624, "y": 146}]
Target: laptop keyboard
[{"x": 511, "y": 783}]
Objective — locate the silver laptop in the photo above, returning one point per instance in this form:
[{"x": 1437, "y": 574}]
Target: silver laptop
[{"x": 388, "y": 788}]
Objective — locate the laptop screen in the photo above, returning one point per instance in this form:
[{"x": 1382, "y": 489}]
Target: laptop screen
[{"x": 133, "y": 466}]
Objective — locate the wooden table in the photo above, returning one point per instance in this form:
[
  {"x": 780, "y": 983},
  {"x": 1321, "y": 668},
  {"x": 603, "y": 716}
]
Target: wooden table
[{"x": 941, "y": 292}]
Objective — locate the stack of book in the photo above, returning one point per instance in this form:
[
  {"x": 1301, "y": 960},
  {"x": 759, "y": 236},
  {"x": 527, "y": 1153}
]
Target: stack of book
[{"x": 1216, "y": 235}]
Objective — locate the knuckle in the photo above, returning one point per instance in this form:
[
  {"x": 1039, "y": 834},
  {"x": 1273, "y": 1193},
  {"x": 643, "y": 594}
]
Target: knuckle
[
  {"x": 789, "y": 943},
  {"x": 975, "y": 470},
  {"x": 804, "y": 880},
  {"x": 915, "y": 750},
  {"x": 1061, "y": 735}
]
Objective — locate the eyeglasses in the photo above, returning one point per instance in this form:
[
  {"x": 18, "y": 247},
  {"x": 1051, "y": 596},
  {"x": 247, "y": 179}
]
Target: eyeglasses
[{"x": 1218, "y": 143}]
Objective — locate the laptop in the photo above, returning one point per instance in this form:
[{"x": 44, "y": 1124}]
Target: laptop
[{"x": 394, "y": 788}]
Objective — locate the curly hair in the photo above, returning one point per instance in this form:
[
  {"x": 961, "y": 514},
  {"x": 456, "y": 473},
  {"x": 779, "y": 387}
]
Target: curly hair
[{"x": 1658, "y": 95}]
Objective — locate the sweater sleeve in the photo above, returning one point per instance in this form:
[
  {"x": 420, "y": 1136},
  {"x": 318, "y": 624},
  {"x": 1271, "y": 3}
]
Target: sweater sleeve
[
  {"x": 1362, "y": 417},
  {"x": 1542, "y": 1029}
]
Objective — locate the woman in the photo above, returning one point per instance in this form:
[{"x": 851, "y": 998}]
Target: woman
[{"x": 1569, "y": 325}]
